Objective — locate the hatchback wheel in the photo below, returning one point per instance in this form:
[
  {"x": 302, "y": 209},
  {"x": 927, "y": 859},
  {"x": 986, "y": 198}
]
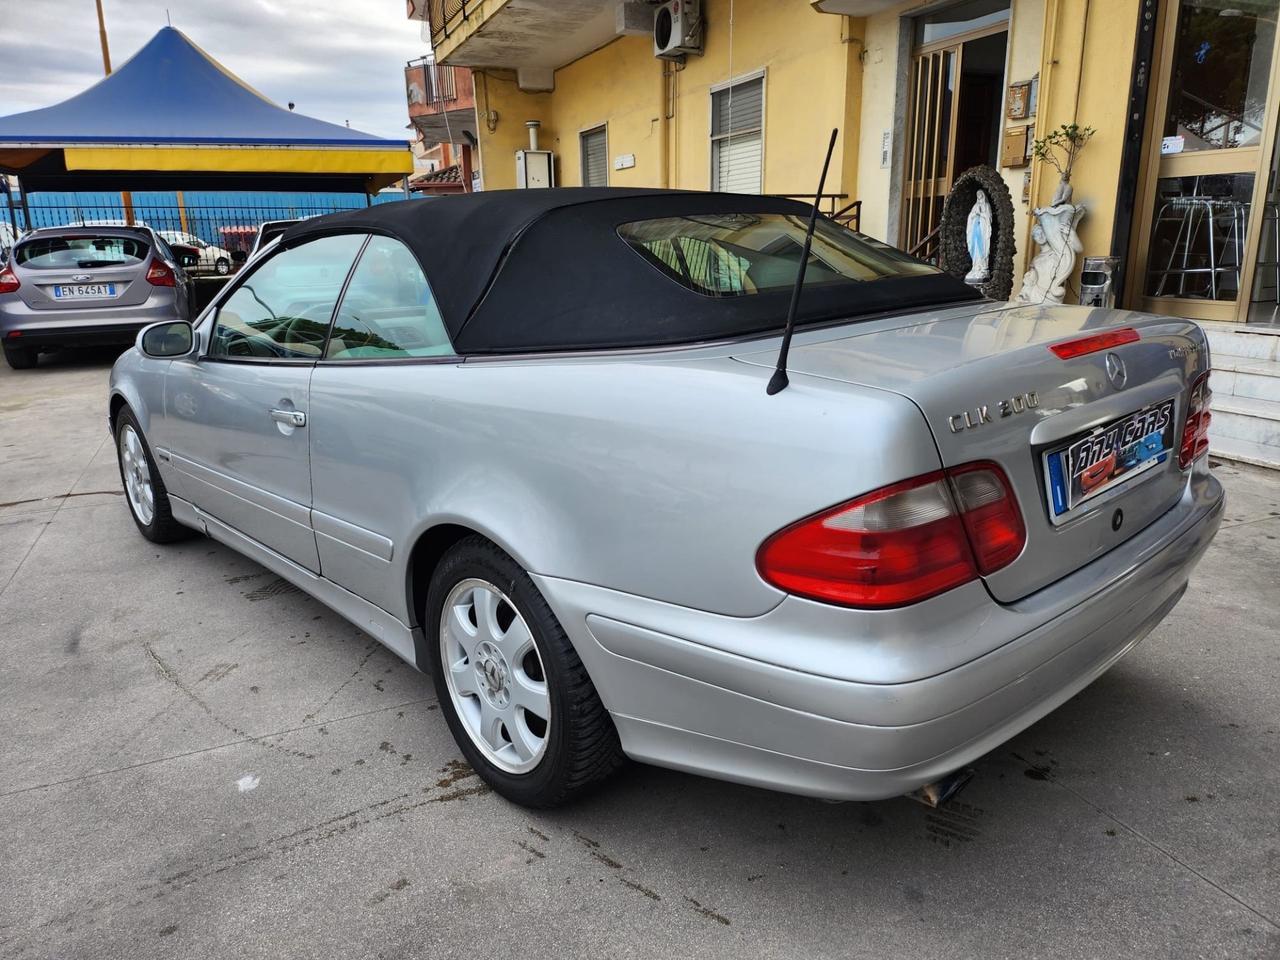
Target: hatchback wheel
[
  {"x": 143, "y": 487},
  {"x": 517, "y": 699},
  {"x": 222, "y": 266},
  {"x": 21, "y": 358}
]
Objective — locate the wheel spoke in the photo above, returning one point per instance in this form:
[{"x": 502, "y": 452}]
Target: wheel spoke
[
  {"x": 485, "y": 602},
  {"x": 491, "y": 723},
  {"x": 516, "y": 641},
  {"x": 464, "y": 678},
  {"x": 459, "y": 629},
  {"x": 531, "y": 695},
  {"x": 523, "y": 740}
]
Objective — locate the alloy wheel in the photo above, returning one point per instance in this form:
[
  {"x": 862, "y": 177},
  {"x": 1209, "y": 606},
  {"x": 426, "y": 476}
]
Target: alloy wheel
[
  {"x": 137, "y": 475},
  {"x": 495, "y": 677}
]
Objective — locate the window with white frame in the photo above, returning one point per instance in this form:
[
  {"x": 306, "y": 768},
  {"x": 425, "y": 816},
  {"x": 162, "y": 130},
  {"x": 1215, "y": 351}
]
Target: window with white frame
[
  {"x": 595, "y": 157},
  {"x": 737, "y": 136}
]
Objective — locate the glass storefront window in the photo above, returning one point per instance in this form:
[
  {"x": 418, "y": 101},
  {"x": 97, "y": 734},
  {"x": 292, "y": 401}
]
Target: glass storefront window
[
  {"x": 1221, "y": 64},
  {"x": 1198, "y": 236},
  {"x": 961, "y": 18}
]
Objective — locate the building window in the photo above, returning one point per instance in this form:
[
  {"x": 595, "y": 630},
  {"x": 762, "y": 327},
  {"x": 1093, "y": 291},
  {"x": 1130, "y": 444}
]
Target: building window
[
  {"x": 737, "y": 136},
  {"x": 595, "y": 157}
]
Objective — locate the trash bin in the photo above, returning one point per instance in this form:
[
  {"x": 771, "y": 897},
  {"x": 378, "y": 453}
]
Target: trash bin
[{"x": 1096, "y": 281}]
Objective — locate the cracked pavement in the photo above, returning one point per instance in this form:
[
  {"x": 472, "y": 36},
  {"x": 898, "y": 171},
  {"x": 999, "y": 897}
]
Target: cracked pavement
[{"x": 200, "y": 761}]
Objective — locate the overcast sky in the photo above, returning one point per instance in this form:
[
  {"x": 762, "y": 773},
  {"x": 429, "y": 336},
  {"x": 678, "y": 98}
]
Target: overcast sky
[{"x": 338, "y": 60}]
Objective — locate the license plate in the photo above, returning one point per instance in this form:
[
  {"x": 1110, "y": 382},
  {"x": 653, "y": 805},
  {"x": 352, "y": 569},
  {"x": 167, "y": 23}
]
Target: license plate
[
  {"x": 83, "y": 291},
  {"x": 1106, "y": 456}
]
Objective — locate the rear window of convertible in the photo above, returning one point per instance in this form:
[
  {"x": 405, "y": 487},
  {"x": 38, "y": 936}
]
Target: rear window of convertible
[
  {"x": 741, "y": 254},
  {"x": 82, "y": 252}
]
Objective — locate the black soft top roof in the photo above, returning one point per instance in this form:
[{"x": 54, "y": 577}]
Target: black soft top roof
[{"x": 538, "y": 270}]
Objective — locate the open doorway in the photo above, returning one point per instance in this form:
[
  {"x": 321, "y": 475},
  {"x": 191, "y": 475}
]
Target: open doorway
[{"x": 955, "y": 102}]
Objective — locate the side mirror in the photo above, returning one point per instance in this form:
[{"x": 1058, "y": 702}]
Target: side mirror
[
  {"x": 189, "y": 260},
  {"x": 168, "y": 338},
  {"x": 239, "y": 256}
]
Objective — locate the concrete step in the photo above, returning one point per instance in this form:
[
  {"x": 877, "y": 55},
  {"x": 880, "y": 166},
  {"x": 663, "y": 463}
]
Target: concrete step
[
  {"x": 1243, "y": 418},
  {"x": 1258, "y": 380},
  {"x": 1230, "y": 342},
  {"x": 1258, "y": 454}
]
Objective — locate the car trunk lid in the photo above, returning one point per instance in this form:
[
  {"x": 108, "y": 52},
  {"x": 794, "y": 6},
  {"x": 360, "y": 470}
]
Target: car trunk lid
[{"x": 992, "y": 389}]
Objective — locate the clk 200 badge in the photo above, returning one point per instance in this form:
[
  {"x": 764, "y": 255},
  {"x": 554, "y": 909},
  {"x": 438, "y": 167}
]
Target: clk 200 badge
[{"x": 980, "y": 415}]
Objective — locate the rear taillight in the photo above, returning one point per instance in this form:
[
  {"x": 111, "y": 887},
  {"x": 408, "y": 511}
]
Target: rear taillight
[
  {"x": 8, "y": 280},
  {"x": 1195, "y": 433},
  {"x": 1080, "y": 346},
  {"x": 159, "y": 274},
  {"x": 902, "y": 543}
]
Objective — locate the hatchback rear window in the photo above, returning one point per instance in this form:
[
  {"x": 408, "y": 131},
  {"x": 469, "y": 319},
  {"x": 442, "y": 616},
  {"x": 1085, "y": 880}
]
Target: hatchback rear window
[
  {"x": 741, "y": 254},
  {"x": 80, "y": 252}
]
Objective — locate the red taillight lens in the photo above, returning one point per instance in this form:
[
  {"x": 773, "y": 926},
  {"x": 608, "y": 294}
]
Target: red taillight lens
[
  {"x": 1092, "y": 344},
  {"x": 899, "y": 544},
  {"x": 1195, "y": 433},
  {"x": 160, "y": 275},
  {"x": 8, "y": 280},
  {"x": 990, "y": 515}
]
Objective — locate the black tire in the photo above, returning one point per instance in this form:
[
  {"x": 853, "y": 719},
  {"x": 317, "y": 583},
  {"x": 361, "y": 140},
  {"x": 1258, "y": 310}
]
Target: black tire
[
  {"x": 582, "y": 745},
  {"x": 222, "y": 266},
  {"x": 162, "y": 528},
  {"x": 21, "y": 358}
]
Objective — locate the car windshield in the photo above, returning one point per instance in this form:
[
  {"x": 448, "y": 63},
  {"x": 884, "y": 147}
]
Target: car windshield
[
  {"x": 51, "y": 253},
  {"x": 742, "y": 254}
]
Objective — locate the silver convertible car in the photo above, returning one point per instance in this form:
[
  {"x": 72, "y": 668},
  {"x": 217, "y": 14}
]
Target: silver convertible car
[{"x": 524, "y": 440}]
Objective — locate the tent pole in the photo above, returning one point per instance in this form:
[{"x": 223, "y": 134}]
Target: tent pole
[
  {"x": 26, "y": 210},
  {"x": 8, "y": 198}
]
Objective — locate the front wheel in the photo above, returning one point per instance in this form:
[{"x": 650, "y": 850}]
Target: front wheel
[
  {"x": 144, "y": 489},
  {"x": 222, "y": 266},
  {"x": 514, "y": 693}
]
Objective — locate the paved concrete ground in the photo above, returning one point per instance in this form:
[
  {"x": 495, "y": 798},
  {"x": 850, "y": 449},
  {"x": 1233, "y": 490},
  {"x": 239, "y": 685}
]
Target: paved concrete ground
[{"x": 198, "y": 761}]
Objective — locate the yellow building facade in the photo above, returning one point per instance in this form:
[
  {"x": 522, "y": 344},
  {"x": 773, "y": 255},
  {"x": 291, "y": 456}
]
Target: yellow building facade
[{"x": 920, "y": 91}]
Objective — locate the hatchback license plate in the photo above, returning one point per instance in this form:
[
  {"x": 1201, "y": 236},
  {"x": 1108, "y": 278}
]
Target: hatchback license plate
[
  {"x": 83, "y": 291},
  {"x": 1114, "y": 453}
]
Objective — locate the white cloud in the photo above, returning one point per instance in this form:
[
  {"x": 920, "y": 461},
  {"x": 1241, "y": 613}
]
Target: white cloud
[{"x": 338, "y": 60}]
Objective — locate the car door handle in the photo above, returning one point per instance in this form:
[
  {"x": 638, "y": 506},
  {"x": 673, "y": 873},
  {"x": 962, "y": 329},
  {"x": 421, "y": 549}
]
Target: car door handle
[{"x": 294, "y": 418}]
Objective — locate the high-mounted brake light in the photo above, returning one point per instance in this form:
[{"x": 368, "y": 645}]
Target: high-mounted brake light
[
  {"x": 1195, "y": 433},
  {"x": 159, "y": 274},
  {"x": 902, "y": 543},
  {"x": 8, "y": 280},
  {"x": 1068, "y": 349}
]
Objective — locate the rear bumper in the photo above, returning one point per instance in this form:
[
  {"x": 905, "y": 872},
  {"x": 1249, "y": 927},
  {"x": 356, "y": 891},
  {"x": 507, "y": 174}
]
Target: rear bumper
[
  {"x": 76, "y": 336},
  {"x": 20, "y": 326},
  {"x": 680, "y": 699}
]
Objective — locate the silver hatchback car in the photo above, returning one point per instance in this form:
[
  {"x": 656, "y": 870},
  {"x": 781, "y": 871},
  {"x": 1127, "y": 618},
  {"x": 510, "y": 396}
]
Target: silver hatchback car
[
  {"x": 85, "y": 286},
  {"x": 524, "y": 440}
]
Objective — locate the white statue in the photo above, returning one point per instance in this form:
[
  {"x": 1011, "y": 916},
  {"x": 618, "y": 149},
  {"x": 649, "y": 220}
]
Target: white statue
[
  {"x": 1055, "y": 231},
  {"x": 977, "y": 233}
]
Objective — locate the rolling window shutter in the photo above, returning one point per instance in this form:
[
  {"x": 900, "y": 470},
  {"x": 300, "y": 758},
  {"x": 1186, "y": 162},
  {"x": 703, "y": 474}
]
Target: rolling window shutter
[
  {"x": 595, "y": 159},
  {"x": 737, "y": 137}
]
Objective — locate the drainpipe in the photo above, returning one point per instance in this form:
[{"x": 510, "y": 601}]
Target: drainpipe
[{"x": 664, "y": 130}]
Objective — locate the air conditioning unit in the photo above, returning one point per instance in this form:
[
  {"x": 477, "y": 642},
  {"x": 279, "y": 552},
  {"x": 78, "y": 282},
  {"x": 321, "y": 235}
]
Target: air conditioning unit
[{"x": 677, "y": 29}]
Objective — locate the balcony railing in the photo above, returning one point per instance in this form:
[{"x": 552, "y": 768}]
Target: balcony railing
[
  {"x": 434, "y": 83},
  {"x": 444, "y": 17}
]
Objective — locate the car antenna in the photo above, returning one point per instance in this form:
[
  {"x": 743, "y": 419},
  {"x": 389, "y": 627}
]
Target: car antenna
[{"x": 778, "y": 382}]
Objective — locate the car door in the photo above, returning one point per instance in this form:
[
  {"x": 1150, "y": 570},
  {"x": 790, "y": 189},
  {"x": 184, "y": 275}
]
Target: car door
[
  {"x": 370, "y": 394},
  {"x": 238, "y": 414}
]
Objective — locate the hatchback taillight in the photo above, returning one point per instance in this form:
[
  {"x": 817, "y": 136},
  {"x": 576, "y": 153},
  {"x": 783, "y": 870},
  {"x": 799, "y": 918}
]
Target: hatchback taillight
[
  {"x": 1195, "y": 433},
  {"x": 159, "y": 274},
  {"x": 8, "y": 280},
  {"x": 902, "y": 543}
]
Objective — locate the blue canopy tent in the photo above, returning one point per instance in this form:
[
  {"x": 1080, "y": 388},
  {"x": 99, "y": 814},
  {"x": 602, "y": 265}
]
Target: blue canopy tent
[{"x": 173, "y": 118}]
